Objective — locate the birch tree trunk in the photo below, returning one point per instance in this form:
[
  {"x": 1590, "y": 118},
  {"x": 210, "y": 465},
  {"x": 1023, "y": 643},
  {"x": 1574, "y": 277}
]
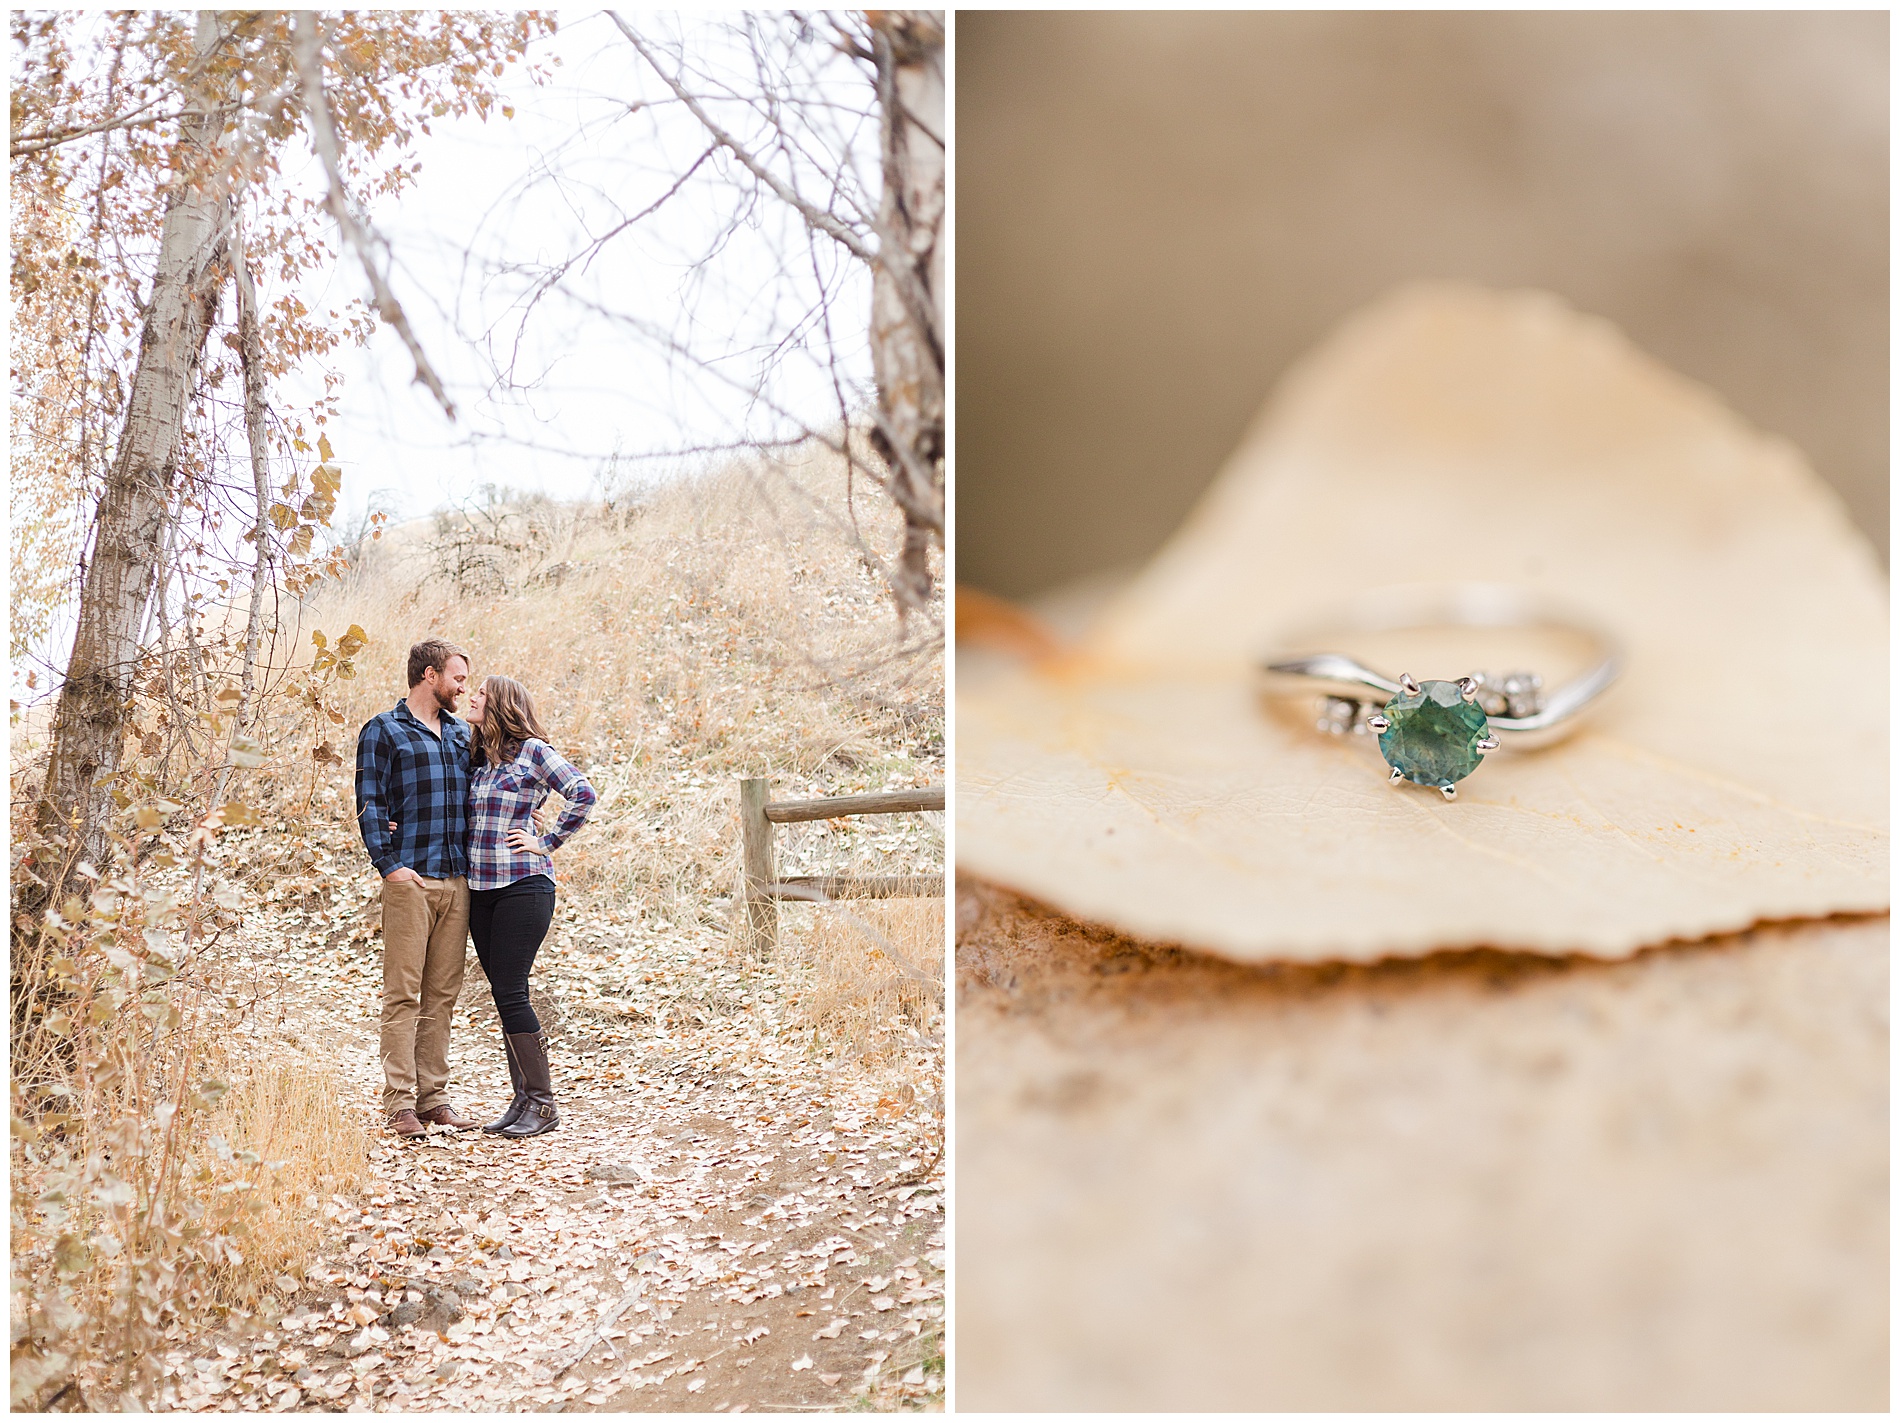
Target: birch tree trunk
[
  {"x": 251, "y": 352},
  {"x": 907, "y": 282},
  {"x": 88, "y": 723},
  {"x": 251, "y": 349}
]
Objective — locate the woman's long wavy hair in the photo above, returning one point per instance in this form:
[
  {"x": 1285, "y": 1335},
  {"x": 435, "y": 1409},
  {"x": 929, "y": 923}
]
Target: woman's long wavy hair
[{"x": 508, "y": 719}]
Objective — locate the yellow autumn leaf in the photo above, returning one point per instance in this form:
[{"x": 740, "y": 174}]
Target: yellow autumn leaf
[{"x": 1738, "y": 772}]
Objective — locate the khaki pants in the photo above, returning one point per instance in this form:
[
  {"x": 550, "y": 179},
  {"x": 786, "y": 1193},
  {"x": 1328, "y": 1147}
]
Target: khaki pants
[{"x": 425, "y": 944}]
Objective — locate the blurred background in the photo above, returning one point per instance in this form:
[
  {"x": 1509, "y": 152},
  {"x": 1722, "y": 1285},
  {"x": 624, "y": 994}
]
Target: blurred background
[{"x": 1158, "y": 213}]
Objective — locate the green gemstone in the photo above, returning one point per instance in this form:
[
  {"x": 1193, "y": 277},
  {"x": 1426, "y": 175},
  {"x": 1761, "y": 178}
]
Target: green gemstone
[{"x": 1433, "y": 739}]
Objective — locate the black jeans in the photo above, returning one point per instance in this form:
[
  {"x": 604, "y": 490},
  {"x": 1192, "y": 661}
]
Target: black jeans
[{"x": 508, "y": 925}]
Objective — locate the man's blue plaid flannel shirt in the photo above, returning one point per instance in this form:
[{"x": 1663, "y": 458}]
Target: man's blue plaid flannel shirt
[{"x": 406, "y": 774}]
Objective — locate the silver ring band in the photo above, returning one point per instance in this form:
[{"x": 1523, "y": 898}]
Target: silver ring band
[{"x": 1517, "y": 709}]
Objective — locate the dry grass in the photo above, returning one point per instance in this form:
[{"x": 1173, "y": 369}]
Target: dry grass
[
  {"x": 162, "y": 1170},
  {"x": 675, "y": 641},
  {"x": 720, "y": 627},
  {"x": 876, "y": 972},
  {"x": 292, "y": 1113}
]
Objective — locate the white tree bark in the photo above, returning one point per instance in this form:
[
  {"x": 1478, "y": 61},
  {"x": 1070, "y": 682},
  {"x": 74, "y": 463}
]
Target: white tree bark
[
  {"x": 907, "y": 283},
  {"x": 251, "y": 349},
  {"x": 88, "y": 723}
]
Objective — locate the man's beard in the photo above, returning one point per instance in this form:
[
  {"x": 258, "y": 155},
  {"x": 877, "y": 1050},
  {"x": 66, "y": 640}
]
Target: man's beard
[{"x": 446, "y": 698}]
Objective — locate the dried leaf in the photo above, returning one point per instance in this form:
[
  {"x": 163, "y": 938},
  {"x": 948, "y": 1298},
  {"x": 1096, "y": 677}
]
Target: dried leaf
[
  {"x": 234, "y": 812},
  {"x": 1737, "y": 773}
]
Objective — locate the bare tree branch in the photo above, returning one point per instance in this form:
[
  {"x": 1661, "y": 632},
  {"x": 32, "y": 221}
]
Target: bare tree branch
[
  {"x": 306, "y": 46},
  {"x": 825, "y": 222},
  {"x": 41, "y": 142}
]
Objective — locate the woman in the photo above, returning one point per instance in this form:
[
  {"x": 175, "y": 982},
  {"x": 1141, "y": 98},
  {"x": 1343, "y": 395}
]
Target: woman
[{"x": 511, "y": 879}]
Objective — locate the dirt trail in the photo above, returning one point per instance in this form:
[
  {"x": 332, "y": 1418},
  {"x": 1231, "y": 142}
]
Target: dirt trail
[{"x": 724, "y": 1220}]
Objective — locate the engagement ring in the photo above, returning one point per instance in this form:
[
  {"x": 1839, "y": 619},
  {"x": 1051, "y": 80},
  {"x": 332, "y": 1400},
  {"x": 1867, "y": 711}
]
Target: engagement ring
[{"x": 1435, "y": 733}]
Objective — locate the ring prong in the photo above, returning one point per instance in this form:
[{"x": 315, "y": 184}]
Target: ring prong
[
  {"x": 1377, "y": 722},
  {"x": 1407, "y": 684},
  {"x": 1486, "y": 743},
  {"x": 1448, "y": 792},
  {"x": 1396, "y": 776},
  {"x": 1468, "y": 688}
]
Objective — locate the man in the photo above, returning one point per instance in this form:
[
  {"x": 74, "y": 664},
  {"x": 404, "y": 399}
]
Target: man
[{"x": 412, "y": 807}]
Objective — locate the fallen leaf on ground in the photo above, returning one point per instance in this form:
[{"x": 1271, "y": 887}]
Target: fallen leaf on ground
[{"x": 1737, "y": 773}]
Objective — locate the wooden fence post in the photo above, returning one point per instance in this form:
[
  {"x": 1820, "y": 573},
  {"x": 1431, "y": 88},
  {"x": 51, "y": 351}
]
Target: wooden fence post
[{"x": 760, "y": 872}]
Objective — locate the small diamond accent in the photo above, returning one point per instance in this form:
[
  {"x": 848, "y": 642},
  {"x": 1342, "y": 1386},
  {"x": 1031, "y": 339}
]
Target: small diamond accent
[{"x": 1510, "y": 694}]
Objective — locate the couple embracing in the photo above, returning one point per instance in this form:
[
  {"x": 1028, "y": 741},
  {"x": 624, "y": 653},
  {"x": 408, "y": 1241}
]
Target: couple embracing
[{"x": 446, "y": 807}]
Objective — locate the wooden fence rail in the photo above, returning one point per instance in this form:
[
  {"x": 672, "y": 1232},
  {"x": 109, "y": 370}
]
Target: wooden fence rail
[
  {"x": 783, "y": 812},
  {"x": 758, "y": 813}
]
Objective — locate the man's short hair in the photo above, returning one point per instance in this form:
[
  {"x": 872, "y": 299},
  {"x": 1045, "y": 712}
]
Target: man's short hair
[{"x": 432, "y": 652}]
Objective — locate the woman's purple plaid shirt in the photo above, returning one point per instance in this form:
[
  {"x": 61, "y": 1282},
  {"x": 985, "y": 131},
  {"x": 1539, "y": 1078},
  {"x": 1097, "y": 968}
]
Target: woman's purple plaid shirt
[{"x": 502, "y": 798}]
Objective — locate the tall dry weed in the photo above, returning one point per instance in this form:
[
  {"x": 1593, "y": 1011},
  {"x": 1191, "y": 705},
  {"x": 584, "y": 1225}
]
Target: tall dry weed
[
  {"x": 294, "y": 1115},
  {"x": 151, "y": 1186}
]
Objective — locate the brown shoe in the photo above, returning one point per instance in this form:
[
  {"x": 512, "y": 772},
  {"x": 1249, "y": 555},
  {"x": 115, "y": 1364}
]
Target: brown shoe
[
  {"x": 446, "y": 1116},
  {"x": 405, "y": 1123}
]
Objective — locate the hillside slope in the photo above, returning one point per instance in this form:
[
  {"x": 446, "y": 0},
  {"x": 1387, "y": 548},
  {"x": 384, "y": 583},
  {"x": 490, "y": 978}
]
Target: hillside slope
[{"x": 749, "y": 1162}]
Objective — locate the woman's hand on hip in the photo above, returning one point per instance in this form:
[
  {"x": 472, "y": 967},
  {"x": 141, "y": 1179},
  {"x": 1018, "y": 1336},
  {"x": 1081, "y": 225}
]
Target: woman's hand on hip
[{"x": 525, "y": 843}]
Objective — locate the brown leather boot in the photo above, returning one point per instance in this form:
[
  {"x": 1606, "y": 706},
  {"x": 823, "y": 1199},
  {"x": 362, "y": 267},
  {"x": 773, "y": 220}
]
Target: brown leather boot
[
  {"x": 520, "y": 1099},
  {"x": 537, "y": 1112},
  {"x": 405, "y": 1123},
  {"x": 445, "y": 1116}
]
